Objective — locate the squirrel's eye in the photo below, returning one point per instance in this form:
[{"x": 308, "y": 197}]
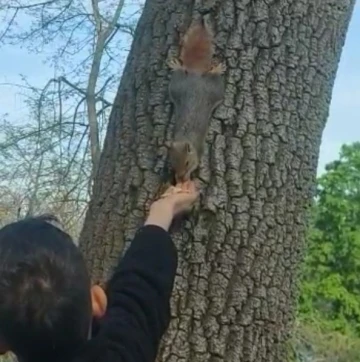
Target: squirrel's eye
[{"x": 187, "y": 163}]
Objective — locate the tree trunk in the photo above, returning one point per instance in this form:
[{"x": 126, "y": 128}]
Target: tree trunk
[{"x": 236, "y": 284}]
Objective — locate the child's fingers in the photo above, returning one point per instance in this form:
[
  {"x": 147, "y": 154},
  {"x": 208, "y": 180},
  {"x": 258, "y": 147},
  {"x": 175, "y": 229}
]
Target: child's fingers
[
  {"x": 170, "y": 191},
  {"x": 189, "y": 194},
  {"x": 192, "y": 187},
  {"x": 184, "y": 201},
  {"x": 187, "y": 188}
]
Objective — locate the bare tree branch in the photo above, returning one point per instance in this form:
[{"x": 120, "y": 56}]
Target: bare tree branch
[
  {"x": 97, "y": 16},
  {"x": 11, "y": 22},
  {"x": 103, "y": 32},
  {"x": 97, "y": 98}
]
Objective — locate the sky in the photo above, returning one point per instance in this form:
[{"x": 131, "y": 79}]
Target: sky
[{"x": 343, "y": 125}]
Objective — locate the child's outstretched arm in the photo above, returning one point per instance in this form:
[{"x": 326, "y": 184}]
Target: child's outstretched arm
[{"x": 139, "y": 292}]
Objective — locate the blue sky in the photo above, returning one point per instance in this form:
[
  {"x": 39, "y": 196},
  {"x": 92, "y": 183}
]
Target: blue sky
[{"x": 343, "y": 125}]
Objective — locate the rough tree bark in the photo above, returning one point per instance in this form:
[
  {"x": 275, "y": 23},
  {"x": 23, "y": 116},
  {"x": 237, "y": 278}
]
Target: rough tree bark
[{"x": 236, "y": 284}]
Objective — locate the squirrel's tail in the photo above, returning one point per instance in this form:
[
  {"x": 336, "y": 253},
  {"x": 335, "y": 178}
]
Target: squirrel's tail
[{"x": 197, "y": 48}]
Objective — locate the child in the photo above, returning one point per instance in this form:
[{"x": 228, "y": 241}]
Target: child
[{"x": 47, "y": 304}]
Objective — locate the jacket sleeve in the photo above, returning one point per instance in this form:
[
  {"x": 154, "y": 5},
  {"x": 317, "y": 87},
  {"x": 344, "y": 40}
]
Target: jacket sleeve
[{"x": 139, "y": 292}]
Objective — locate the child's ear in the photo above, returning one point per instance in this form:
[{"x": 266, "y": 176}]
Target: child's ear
[{"x": 98, "y": 301}]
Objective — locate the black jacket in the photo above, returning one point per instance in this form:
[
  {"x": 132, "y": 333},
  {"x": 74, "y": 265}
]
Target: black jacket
[{"x": 138, "y": 310}]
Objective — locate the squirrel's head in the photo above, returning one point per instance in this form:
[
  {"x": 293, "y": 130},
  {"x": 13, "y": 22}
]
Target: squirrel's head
[{"x": 183, "y": 158}]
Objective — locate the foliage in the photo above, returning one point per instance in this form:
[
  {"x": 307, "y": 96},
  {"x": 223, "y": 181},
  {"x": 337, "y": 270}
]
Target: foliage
[
  {"x": 312, "y": 343},
  {"x": 331, "y": 286},
  {"x": 9, "y": 357}
]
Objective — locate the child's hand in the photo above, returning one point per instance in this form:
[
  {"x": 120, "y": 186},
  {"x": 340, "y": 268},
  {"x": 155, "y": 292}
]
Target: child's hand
[
  {"x": 180, "y": 197},
  {"x": 173, "y": 202}
]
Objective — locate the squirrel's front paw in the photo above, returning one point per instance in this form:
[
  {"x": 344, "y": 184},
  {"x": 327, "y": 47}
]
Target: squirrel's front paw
[
  {"x": 218, "y": 69},
  {"x": 174, "y": 64}
]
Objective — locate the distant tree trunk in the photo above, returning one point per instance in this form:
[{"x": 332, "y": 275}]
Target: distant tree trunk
[{"x": 236, "y": 286}]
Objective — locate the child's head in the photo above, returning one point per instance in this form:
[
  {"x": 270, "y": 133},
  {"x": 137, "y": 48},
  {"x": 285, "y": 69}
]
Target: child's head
[{"x": 45, "y": 292}]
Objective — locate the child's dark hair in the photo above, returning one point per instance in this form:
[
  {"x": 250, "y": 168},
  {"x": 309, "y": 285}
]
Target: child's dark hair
[{"x": 45, "y": 304}]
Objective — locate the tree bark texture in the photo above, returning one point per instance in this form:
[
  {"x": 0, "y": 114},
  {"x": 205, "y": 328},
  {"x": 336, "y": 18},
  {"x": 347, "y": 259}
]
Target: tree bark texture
[{"x": 235, "y": 289}]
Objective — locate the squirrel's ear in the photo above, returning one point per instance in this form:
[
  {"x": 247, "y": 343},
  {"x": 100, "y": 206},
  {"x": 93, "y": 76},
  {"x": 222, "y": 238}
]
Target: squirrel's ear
[{"x": 168, "y": 144}]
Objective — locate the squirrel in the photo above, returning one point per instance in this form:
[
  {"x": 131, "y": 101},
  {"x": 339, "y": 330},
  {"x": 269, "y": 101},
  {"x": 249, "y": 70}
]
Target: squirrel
[{"x": 196, "y": 88}]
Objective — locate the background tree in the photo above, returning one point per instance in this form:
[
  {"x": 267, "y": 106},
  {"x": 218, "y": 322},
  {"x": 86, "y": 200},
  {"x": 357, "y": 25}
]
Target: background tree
[
  {"x": 45, "y": 164},
  {"x": 84, "y": 47},
  {"x": 47, "y": 161},
  {"x": 236, "y": 285},
  {"x": 331, "y": 288}
]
